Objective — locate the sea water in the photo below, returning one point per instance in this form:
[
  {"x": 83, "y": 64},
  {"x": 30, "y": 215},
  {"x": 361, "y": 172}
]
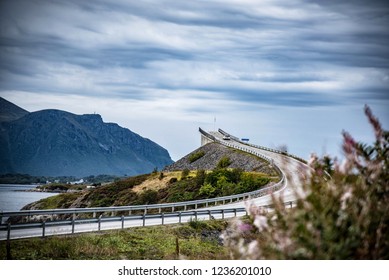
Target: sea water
[{"x": 14, "y": 197}]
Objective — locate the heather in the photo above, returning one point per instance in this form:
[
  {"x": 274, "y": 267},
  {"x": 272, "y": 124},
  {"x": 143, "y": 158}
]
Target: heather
[{"x": 342, "y": 209}]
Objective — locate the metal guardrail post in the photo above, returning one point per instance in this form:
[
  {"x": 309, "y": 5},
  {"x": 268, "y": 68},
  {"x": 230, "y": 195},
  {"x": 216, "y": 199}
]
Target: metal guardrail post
[
  {"x": 172, "y": 209},
  {"x": 99, "y": 223},
  {"x": 209, "y": 214},
  {"x": 179, "y": 217},
  {"x": 73, "y": 224},
  {"x": 223, "y": 214},
  {"x": 8, "y": 231},
  {"x": 196, "y": 215},
  {"x": 43, "y": 229},
  {"x": 163, "y": 218},
  {"x": 235, "y": 212},
  {"x": 144, "y": 219}
]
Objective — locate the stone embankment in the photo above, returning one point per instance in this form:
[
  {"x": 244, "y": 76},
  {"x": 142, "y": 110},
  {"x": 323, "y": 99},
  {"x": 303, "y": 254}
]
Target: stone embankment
[{"x": 213, "y": 153}]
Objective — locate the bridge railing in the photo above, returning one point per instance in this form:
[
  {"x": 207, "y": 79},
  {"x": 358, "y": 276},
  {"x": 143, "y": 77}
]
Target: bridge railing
[
  {"x": 69, "y": 226},
  {"x": 262, "y": 147}
]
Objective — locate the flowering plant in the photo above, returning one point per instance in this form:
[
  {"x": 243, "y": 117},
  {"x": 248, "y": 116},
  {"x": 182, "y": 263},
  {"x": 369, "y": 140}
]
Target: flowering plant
[{"x": 341, "y": 210}]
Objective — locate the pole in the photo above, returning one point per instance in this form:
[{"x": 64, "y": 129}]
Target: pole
[{"x": 9, "y": 257}]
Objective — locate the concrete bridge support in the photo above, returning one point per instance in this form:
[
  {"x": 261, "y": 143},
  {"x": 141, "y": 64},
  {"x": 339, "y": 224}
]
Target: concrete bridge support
[{"x": 205, "y": 140}]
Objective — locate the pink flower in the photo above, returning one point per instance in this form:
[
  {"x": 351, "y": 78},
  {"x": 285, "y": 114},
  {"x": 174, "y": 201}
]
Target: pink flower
[{"x": 245, "y": 227}]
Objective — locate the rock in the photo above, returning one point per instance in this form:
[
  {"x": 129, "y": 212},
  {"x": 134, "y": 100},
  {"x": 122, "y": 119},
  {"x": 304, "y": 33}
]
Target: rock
[{"x": 213, "y": 153}]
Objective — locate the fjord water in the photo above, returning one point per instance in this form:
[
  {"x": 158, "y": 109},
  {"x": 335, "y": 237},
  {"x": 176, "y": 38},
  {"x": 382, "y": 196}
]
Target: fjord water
[{"x": 14, "y": 197}]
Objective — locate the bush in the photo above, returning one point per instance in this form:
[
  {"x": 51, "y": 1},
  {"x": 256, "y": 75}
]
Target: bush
[
  {"x": 148, "y": 197},
  {"x": 207, "y": 190},
  {"x": 342, "y": 216},
  {"x": 200, "y": 177},
  {"x": 184, "y": 174},
  {"x": 193, "y": 157},
  {"x": 224, "y": 162}
]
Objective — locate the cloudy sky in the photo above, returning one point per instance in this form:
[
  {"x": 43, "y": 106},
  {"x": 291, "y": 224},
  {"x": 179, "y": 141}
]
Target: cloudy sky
[{"x": 280, "y": 72}]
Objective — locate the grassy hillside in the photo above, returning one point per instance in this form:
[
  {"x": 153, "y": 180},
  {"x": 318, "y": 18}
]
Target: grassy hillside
[
  {"x": 213, "y": 171},
  {"x": 195, "y": 240},
  {"x": 161, "y": 188}
]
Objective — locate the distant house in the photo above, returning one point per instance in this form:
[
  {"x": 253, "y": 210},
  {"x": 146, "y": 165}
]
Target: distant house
[{"x": 79, "y": 182}]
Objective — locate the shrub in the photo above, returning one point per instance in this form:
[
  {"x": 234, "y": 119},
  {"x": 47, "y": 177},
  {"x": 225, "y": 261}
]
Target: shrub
[
  {"x": 173, "y": 180},
  {"x": 185, "y": 173},
  {"x": 200, "y": 177},
  {"x": 148, "y": 197},
  {"x": 195, "y": 156},
  {"x": 207, "y": 190},
  {"x": 224, "y": 162},
  {"x": 345, "y": 216}
]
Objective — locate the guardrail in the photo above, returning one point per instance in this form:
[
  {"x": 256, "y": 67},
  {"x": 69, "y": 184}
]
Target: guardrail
[
  {"x": 262, "y": 147},
  {"x": 194, "y": 214},
  {"x": 173, "y": 206},
  {"x": 115, "y": 209}
]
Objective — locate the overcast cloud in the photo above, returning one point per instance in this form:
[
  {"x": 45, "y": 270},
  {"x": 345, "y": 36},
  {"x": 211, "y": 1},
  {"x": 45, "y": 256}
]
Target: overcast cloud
[{"x": 292, "y": 72}]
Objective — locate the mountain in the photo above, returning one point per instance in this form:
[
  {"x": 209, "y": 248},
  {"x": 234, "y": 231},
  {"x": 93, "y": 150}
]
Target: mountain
[
  {"x": 59, "y": 143},
  {"x": 9, "y": 111}
]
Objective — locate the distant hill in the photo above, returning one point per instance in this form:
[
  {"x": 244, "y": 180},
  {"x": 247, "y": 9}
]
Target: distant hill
[
  {"x": 59, "y": 143},
  {"x": 9, "y": 111}
]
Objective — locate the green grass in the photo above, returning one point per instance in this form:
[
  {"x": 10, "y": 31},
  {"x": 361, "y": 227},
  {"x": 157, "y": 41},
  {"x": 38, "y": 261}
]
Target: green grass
[
  {"x": 153, "y": 243},
  {"x": 62, "y": 201}
]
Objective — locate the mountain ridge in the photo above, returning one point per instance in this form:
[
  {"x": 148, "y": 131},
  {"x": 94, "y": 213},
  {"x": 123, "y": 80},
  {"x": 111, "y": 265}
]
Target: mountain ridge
[
  {"x": 10, "y": 111},
  {"x": 58, "y": 143}
]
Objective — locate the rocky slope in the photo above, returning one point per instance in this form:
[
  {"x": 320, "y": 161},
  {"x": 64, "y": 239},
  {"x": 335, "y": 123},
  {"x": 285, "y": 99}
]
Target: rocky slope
[
  {"x": 9, "y": 111},
  {"x": 58, "y": 143},
  {"x": 207, "y": 157}
]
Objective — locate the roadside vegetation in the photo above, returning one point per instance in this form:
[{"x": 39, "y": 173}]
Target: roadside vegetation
[
  {"x": 341, "y": 216},
  {"x": 159, "y": 187},
  {"x": 195, "y": 240}
]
